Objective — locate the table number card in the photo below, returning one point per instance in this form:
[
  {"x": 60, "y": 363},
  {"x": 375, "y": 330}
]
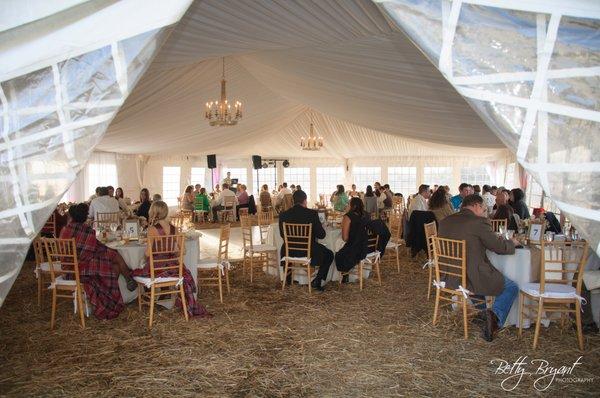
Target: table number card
[
  {"x": 536, "y": 232},
  {"x": 131, "y": 227}
]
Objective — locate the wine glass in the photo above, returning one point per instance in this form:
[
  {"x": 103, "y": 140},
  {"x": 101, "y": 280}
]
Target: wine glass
[{"x": 501, "y": 230}]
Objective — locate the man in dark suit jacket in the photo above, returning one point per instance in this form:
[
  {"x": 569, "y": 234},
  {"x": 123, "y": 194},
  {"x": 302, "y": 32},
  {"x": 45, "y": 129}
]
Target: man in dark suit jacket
[
  {"x": 320, "y": 256},
  {"x": 483, "y": 279}
]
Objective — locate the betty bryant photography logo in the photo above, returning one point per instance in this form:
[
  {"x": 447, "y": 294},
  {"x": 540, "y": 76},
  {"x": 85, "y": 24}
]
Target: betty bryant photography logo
[{"x": 538, "y": 371}]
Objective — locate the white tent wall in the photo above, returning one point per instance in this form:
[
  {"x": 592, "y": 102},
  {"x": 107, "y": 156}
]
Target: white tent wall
[
  {"x": 60, "y": 87},
  {"x": 531, "y": 70}
]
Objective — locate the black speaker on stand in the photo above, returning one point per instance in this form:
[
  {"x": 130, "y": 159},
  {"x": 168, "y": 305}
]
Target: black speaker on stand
[
  {"x": 257, "y": 165},
  {"x": 211, "y": 161}
]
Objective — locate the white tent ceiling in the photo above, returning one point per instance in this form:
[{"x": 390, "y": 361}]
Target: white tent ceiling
[{"x": 370, "y": 90}]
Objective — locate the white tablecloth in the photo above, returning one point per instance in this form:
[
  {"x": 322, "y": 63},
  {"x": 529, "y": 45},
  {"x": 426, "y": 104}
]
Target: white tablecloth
[
  {"x": 333, "y": 241},
  {"x": 519, "y": 268},
  {"x": 134, "y": 255}
]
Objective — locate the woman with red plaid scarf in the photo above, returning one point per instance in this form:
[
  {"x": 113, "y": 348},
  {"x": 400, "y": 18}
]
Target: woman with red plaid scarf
[
  {"x": 99, "y": 266},
  {"x": 159, "y": 226}
]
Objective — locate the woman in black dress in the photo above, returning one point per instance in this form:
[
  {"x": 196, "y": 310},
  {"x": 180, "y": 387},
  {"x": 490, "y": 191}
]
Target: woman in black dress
[
  {"x": 354, "y": 233},
  {"x": 144, "y": 207},
  {"x": 517, "y": 197}
]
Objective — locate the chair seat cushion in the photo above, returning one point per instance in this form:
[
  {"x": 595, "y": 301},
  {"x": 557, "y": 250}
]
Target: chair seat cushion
[
  {"x": 149, "y": 282},
  {"x": 393, "y": 245},
  {"x": 551, "y": 290},
  {"x": 209, "y": 263},
  {"x": 261, "y": 248},
  {"x": 296, "y": 259},
  {"x": 46, "y": 266}
]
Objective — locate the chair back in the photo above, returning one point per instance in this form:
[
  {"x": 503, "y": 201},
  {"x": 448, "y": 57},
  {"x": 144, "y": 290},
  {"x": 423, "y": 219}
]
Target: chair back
[
  {"x": 50, "y": 225},
  {"x": 105, "y": 219},
  {"x": 246, "y": 222},
  {"x": 264, "y": 225},
  {"x": 223, "y": 251},
  {"x": 398, "y": 203},
  {"x": 61, "y": 254},
  {"x": 430, "y": 232},
  {"x": 287, "y": 202},
  {"x": 228, "y": 202},
  {"x": 450, "y": 259},
  {"x": 39, "y": 251},
  {"x": 563, "y": 263},
  {"x": 496, "y": 224},
  {"x": 166, "y": 253},
  {"x": 372, "y": 241},
  {"x": 243, "y": 211},
  {"x": 297, "y": 239},
  {"x": 396, "y": 226}
]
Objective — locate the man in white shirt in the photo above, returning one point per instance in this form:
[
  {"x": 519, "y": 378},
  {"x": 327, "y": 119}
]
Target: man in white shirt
[
  {"x": 419, "y": 202},
  {"x": 103, "y": 204},
  {"x": 284, "y": 191},
  {"x": 220, "y": 200},
  {"x": 488, "y": 199}
]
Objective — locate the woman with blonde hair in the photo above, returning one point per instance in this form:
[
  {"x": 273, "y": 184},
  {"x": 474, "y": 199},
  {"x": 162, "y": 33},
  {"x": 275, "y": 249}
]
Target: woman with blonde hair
[
  {"x": 188, "y": 198},
  {"x": 159, "y": 226}
]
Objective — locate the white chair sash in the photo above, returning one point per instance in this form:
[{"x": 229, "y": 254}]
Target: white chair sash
[
  {"x": 442, "y": 285},
  {"x": 303, "y": 260},
  {"x": 428, "y": 263},
  {"x": 373, "y": 257}
]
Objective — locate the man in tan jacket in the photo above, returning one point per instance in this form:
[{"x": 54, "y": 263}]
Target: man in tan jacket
[{"x": 483, "y": 279}]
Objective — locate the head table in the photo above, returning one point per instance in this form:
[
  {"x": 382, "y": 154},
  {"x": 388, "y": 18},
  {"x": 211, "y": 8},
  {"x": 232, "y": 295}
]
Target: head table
[{"x": 134, "y": 254}]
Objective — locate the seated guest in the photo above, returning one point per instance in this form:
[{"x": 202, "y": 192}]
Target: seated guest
[
  {"x": 504, "y": 211},
  {"x": 482, "y": 278},
  {"x": 439, "y": 205},
  {"x": 156, "y": 197},
  {"x": 144, "y": 207},
  {"x": 122, "y": 205},
  {"x": 517, "y": 200},
  {"x": 197, "y": 188},
  {"x": 111, "y": 191},
  {"x": 103, "y": 204},
  {"x": 283, "y": 190},
  {"x": 217, "y": 189},
  {"x": 464, "y": 190},
  {"x": 99, "y": 266},
  {"x": 201, "y": 202},
  {"x": 419, "y": 202},
  {"x": 352, "y": 193},
  {"x": 292, "y": 188},
  {"x": 477, "y": 190},
  {"x": 488, "y": 199},
  {"x": 370, "y": 201},
  {"x": 188, "y": 198},
  {"x": 298, "y": 188},
  {"x": 160, "y": 226},
  {"x": 320, "y": 255},
  {"x": 95, "y": 195},
  {"x": 265, "y": 198},
  {"x": 242, "y": 199},
  {"x": 354, "y": 233},
  {"x": 339, "y": 199},
  {"x": 219, "y": 200}
]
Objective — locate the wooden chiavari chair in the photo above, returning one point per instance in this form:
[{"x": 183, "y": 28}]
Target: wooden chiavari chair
[
  {"x": 166, "y": 254},
  {"x": 371, "y": 262},
  {"x": 49, "y": 228},
  {"x": 104, "y": 220},
  {"x": 496, "y": 224},
  {"x": 216, "y": 269},
  {"x": 62, "y": 253},
  {"x": 450, "y": 257},
  {"x": 297, "y": 239},
  {"x": 228, "y": 212},
  {"x": 559, "y": 289},
  {"x": 430, "y": 232},
  {"x": 396, "y": 240},
  {"x": 255, "y": 255},
  {"x": 42, "y": 266},
  {"x": 266, "y": 218}
]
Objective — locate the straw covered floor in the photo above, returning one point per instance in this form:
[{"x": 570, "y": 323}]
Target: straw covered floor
[{"x": 378, "y": 342}]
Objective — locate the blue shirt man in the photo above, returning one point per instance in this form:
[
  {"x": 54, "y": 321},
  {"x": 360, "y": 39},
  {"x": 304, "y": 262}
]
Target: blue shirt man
[{"x": 464, "y": 190}]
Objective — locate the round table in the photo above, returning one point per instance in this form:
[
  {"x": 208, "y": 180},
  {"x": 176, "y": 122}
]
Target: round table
[
  {"x": 333, "y": 241},
  {"x": 134, "y": 255}
]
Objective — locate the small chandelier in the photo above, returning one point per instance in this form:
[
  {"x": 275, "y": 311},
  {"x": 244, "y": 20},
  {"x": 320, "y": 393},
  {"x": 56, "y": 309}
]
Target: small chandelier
[
  {"x": 220, "y": 113},
  {"x": 312, "y": 142}
]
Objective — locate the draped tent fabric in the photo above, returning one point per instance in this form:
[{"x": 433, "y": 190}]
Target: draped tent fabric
[
  {"x": 60, "y": 87},
  {"x": 531, "y": 69},
  {"x": 341, "y": 59}
]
